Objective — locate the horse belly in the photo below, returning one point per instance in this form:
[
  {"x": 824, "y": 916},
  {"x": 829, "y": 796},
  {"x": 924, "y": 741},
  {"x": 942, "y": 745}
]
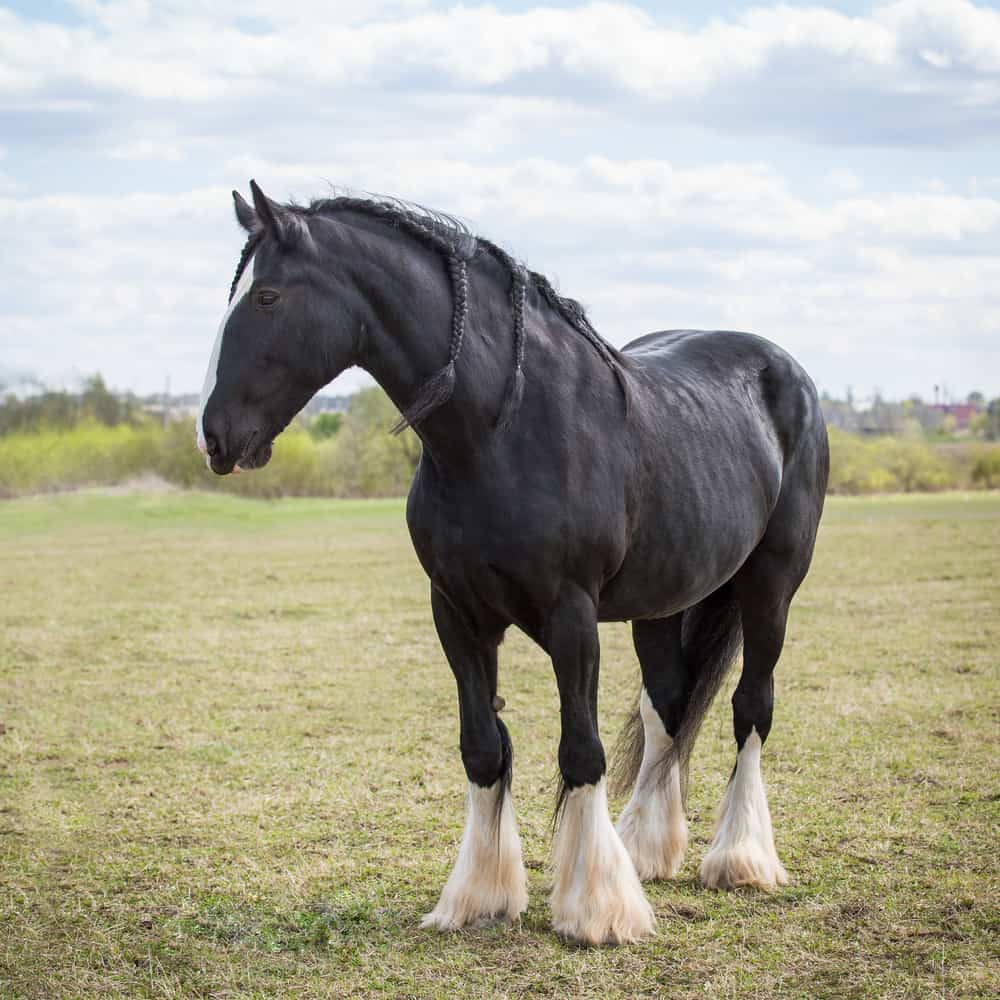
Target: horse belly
[
  {"x": 682, "y": 549},
  {"x": 651, "y": 587}
]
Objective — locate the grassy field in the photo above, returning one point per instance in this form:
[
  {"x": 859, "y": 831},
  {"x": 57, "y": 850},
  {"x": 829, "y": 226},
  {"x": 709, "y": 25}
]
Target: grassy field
[{"x": 229, "y": 766}]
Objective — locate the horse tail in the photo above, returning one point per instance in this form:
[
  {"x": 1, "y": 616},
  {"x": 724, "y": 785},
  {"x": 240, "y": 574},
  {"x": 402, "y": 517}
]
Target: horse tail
[{"x": 711, "y": 636}]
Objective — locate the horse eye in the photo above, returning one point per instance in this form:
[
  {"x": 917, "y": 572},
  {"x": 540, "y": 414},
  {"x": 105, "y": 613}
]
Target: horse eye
[{"x": 267, "y": 297}]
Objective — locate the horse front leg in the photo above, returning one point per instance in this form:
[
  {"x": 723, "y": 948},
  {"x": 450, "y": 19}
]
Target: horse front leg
[
  {"x": 488, "y": 881},
  {"x": 596, "y": 895}
]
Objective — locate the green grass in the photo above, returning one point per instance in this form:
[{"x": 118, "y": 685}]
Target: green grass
[{"x": 229, "y": 766}]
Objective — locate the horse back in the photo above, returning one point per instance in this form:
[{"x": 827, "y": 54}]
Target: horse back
[{"x": 707, "y": 377}]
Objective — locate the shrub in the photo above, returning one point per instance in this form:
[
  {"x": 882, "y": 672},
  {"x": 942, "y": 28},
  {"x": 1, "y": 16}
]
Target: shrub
[
  {"x": 89, "y": 454},
  {"x": 360, "y": 460},
  {"x": 326, "y": 424},
  {"x": 854, "y": 468},
  {"x": 912, "y": 465},
  {"x": 903, "y": 463},
  {"x": 986, "y": 468},
  {"x": 363, "y": 460},
  {"x": 178, "y": 459},
  {"x": 294, "y": 469}
]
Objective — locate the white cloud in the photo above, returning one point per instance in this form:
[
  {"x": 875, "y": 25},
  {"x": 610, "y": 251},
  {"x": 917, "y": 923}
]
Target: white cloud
[
  {"x": 147, "y": 149},
  {"x": 952, "y": 33},
  {"x": 843, "y": 181},
  {"x": 944, "y": 53},
  {"x": 922, "y": 217},
  {"x": 136, "y": 282},
  {"x": 666, "y": 203},
  {"x": 562, "y": 132}
]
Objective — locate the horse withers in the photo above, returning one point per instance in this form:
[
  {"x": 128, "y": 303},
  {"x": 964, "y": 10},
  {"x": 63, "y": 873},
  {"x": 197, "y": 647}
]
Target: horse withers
[{"x": 676, "y": 483}]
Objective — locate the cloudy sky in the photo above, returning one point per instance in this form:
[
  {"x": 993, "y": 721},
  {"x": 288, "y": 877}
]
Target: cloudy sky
[{"x": 827, "y": 176}]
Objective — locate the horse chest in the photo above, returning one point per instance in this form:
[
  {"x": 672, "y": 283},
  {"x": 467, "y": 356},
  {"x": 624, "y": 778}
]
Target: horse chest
[{"x": 489, "y": 549}]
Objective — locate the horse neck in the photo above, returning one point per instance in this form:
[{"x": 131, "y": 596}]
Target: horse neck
[{"x": 407, "y": 339}]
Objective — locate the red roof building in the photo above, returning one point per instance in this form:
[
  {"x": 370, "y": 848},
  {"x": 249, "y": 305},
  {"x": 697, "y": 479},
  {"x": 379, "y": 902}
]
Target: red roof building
[{"x": 964, "y": 413}]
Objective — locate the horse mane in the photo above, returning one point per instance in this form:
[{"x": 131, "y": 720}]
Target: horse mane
[
  {"x": 453, "y": 239},
  {"x": 245, "y": 254}
]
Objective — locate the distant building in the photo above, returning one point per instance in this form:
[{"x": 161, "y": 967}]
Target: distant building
[
  {"x": 964, "y": 413},
  {"x": 189, "y": 404},
  {"x": 327, "y": 404}
]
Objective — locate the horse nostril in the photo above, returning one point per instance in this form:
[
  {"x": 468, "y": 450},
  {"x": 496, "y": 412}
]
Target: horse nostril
[{"x": 211, "y": 445}]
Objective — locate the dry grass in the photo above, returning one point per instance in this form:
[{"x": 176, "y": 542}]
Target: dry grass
[{"x": 228, "y": 766}]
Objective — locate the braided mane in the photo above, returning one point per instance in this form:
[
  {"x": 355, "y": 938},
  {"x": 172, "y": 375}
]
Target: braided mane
[{"x": 245, "y": 254}]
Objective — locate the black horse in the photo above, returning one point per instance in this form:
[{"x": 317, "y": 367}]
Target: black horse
[{"x": 677, "y": 483}]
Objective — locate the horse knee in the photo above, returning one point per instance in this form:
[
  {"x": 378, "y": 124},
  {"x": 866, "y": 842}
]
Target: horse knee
[
  {"x": 669, "y": 695},
  {"x": 581, "y": 762},
  {"x": 484, "y": 759}
]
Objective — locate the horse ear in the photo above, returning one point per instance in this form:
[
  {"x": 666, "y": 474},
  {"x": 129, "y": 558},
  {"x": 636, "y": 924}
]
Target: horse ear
[
  {"x": 275, "y": 218},
  {"x": 245, "y": 215}
]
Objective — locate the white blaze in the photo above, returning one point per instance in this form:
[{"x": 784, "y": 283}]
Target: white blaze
[{"x": 246, "y": 280}]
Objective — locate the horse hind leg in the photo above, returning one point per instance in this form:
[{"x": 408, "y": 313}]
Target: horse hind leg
[
  {"x": 488, "y": 881},
  {"x": 684, "y": 660},
  {"x": 652, "y": 825},
  {"x": 742, "y": 852}
]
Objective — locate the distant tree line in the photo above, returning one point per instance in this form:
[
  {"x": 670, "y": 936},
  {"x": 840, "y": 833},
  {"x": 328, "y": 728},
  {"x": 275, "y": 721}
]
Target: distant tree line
[
  {"x": 62, "y": 410},
  {"x": 973, "y": 418},
  {"x": 60, "y": 440}
]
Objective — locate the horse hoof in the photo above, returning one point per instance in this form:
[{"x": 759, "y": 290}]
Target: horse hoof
[
  {"x": 623, "y": 922},
  {"x": 742, "y": 867},
  {"x": 655, "y": 843},
  {"x": 596, "y": 895},
  {"x": 445, "y": 922}
]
